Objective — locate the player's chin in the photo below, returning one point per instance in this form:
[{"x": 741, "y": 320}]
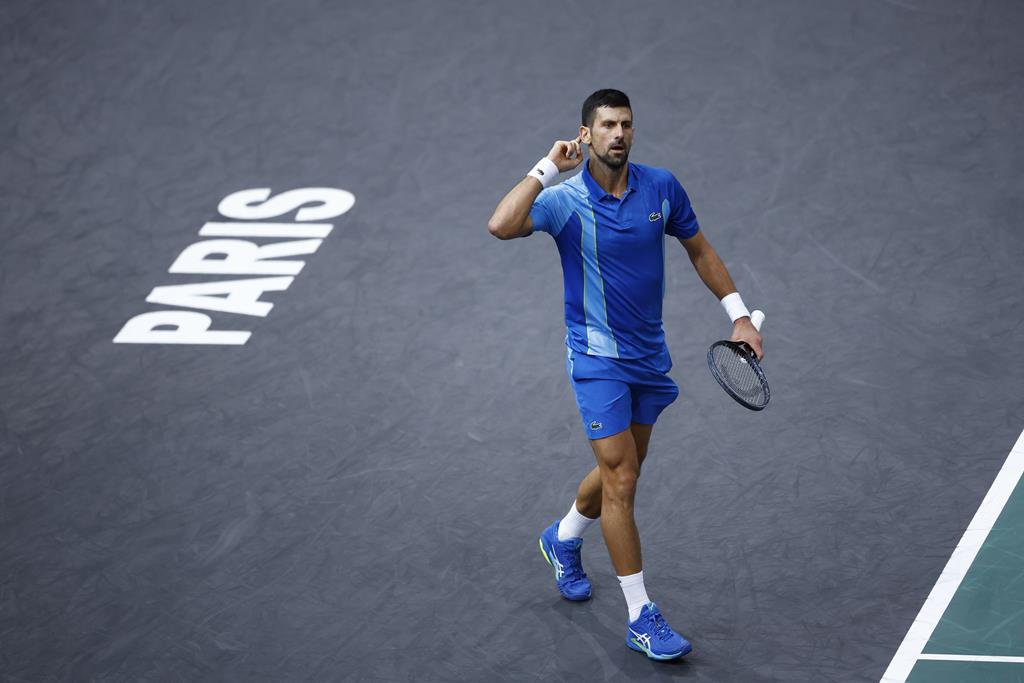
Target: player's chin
[{"x": 614, "y": 160}]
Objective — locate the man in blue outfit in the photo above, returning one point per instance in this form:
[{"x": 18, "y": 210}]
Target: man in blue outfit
[{"x": 609, "y": 223}]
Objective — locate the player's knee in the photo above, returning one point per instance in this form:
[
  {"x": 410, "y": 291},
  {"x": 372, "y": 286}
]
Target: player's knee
[{"x": 619, "y": 483}]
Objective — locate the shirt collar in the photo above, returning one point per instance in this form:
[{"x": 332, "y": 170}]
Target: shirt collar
[{"x": 598, "y": 191}]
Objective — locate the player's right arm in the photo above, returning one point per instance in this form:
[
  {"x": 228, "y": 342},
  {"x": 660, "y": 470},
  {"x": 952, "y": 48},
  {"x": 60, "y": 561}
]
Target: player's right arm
[{"x": 511, "y": 218}]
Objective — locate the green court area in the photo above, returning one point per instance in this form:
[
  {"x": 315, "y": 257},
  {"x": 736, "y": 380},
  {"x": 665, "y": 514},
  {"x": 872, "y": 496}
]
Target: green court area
[
  {"x": 960, "y": 671},
  {"x": 979, "y": 635},
  {"x": 986, "y": 616}
]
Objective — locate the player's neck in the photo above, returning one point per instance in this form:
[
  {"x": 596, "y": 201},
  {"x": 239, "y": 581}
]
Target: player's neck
[{"x": 612, "y": 180}]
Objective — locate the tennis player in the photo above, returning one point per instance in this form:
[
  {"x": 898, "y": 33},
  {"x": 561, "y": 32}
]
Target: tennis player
[{"x": 609, "y": 223}]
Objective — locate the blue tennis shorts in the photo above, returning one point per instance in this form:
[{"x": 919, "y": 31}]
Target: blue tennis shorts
[{"x": 612, "y": 392}]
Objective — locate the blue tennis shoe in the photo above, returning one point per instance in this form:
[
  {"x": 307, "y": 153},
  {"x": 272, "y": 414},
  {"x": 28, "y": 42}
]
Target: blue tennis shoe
[
  {"x": 656, "y": 639},
  {"x": 564, "y": 556}
]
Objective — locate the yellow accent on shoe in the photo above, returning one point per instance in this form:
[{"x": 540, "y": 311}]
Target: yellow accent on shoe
[{"x": 540, "y": 542}]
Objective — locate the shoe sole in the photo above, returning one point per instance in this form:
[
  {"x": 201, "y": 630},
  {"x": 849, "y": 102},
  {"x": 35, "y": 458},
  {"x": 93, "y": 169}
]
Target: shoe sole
[
  {"x": 661, "y": 658},
  {"x": 540, "y": 542}
]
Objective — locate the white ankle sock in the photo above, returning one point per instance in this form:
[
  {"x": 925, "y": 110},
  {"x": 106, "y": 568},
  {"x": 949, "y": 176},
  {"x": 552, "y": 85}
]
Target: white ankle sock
[
  {"x": 636, "y": 594},
  {"x": 573, "y": 524}
]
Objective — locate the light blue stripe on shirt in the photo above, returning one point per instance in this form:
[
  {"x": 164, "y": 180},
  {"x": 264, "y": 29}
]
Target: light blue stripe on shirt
[{"x": 600, "y": 339}]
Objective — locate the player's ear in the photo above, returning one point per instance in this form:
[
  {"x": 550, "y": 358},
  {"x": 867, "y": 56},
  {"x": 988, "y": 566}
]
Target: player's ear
[{"x": 585, "y": 135}]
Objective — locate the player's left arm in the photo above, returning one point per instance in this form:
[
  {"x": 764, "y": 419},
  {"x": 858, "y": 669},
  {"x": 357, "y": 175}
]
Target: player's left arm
[{"x": 713, "y": 272}]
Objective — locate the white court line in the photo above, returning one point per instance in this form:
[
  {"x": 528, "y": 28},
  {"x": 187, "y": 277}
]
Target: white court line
[
  {"x": 973, "y": 658},
  {"x": 938, "y": 600}
]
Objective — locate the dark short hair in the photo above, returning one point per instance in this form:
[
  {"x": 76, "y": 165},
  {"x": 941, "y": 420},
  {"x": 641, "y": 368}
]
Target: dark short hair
[{"x": 602, "y": 98}]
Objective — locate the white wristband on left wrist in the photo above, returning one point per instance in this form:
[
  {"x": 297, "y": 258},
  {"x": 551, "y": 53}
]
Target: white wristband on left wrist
[{"x": 734, "y": 307}]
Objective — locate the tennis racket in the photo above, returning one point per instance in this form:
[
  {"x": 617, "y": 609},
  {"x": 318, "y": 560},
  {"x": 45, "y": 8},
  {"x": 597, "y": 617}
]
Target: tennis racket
[{"x": 735, "y": 367}]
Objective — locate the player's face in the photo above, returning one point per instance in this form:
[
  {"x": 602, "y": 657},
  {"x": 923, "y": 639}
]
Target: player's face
[{"x": 611, "y": 136}]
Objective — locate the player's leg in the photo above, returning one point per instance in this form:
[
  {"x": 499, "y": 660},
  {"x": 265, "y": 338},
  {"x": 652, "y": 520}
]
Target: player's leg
[
  {"x": 604, "y": 407},
  {"x": 642, "y": 437},
  {"x": 619, "y": 468},
  {"x": 586, "y": 509},
  {"x": 651, "y": 393},
  {"x": 648, "y": 396},
  {"x": 588, "y": 494}
]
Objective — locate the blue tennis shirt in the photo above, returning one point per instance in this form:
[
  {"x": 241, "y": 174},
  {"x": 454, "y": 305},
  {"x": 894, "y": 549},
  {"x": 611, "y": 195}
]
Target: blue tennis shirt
[{"x": 613, "y": 257}]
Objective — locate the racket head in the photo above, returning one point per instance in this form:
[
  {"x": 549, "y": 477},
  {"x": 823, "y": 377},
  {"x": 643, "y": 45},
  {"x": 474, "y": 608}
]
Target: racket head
[{"x": 735, "y": 368}]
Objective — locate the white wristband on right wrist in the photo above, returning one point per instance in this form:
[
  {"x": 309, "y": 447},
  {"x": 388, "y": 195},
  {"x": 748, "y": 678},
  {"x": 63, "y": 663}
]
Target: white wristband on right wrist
[
  {"x": 734, "y": 308},
  {"x": 545, "y": 171}
]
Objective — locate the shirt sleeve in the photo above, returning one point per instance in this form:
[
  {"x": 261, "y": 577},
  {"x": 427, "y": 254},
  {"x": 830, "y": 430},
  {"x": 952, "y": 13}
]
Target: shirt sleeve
[
  {"x": 551, "y": 209},
  {"x": 682, "y": 221},
  {"x": 541, "y": 213}
]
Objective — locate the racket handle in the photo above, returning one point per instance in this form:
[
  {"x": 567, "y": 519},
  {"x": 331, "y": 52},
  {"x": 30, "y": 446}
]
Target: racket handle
[{"x": 757, "y": 318}]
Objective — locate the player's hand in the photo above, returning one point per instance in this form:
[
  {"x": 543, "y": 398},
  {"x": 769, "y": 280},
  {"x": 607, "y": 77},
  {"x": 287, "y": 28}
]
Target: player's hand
[
  {"x": 744, "y": 331},
  {"x": 567, "y": 154}
]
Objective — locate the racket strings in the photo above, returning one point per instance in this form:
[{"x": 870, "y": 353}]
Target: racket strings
[{"x": 735, "y": 370}]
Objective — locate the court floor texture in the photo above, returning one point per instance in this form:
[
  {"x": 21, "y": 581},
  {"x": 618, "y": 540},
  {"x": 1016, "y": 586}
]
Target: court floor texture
[{"x": 342, "y": 475}]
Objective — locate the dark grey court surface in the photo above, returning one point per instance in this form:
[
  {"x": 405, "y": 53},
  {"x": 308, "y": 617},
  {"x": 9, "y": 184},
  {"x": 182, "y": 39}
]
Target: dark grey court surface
[{"x": 355, "y": 494}]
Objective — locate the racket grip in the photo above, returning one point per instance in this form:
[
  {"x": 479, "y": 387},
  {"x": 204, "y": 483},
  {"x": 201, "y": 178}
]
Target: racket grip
[{"x": 757, "y": 318}]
